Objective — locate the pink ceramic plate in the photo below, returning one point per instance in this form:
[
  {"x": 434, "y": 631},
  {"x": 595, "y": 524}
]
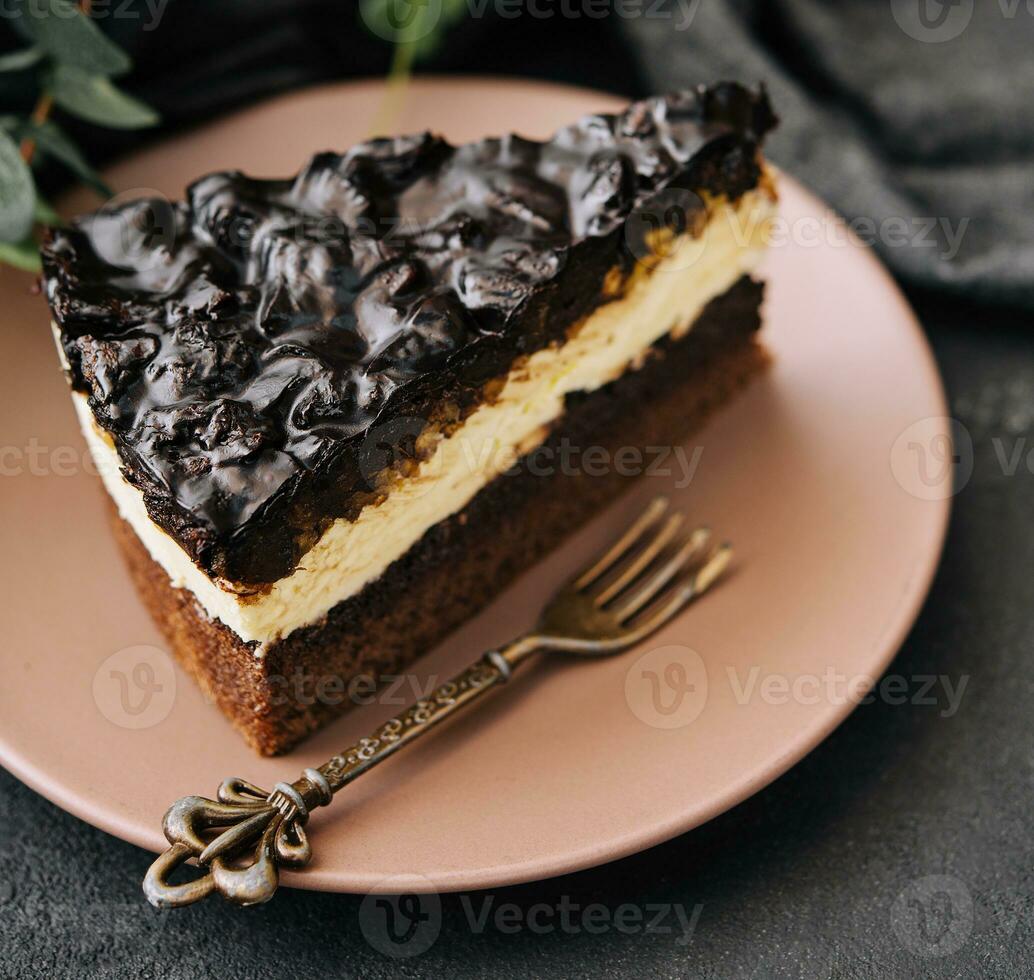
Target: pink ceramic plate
[{"x": 829, "y": 475}]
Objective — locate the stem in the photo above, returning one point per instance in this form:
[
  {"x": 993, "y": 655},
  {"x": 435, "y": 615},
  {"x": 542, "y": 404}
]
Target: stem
[
  {"x": 39, "y": 116},
  {"x": 397, "y": 83},
  {"x": 44, "y": 105}
]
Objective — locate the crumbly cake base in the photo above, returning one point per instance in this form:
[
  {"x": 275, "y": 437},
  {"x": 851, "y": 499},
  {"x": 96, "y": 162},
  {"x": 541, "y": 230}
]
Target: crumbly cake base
[{"x": 305, "y": 680}]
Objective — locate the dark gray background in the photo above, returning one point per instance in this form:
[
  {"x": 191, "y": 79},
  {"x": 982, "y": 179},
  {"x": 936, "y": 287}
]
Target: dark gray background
[{"x": 903, "y": 845}]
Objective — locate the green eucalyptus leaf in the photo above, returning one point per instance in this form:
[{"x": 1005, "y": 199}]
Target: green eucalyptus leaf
[
  {"x": 17, "y": 192},
  {"x": 72, "y": 39},
  {"x": 17, "y": 19},
  {"x": 23, "y": 254},
  {"x": 55, "y": 142},
  {"x": 20, "y": 60},
  {"x": 95, "y": 99},
  {"x": 44, "y": 212}
]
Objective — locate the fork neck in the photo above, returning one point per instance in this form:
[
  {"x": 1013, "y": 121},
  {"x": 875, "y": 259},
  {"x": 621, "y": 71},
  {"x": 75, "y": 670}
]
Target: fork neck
[{"x": 517, "y": 651}]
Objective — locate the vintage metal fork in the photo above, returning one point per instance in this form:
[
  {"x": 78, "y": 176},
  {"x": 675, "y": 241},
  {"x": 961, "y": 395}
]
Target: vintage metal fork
[{"x": 652, "y": 572}]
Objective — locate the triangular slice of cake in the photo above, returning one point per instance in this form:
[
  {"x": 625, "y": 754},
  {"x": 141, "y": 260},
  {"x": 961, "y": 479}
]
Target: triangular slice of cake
[{"x": 338, "y": 414}]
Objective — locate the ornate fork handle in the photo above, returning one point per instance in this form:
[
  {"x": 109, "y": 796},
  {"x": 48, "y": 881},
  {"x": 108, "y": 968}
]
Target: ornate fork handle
[
  {"x": 242, "y": 838},
  {"x": 644, "y": 579}
]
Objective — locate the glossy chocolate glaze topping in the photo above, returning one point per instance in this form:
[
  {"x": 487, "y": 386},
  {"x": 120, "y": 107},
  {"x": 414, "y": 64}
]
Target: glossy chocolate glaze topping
[{"x": 252, "y": 349}]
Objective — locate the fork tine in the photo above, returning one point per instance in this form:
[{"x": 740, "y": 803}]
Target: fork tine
[
  {"x": 679, "y": 598},
  {"x": 657, "y": 507},
  {"x": 711, "y": 570},
  {"x": 647, "y": 589},
  {"x": 642, "y": 561},
  {"x": 662, "y": 612}
]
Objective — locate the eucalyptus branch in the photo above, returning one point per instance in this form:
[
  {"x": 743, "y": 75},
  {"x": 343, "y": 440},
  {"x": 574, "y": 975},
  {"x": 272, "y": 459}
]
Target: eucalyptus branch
[
  {"x": 73, "y": 63},
  {"x": 45, "y": 103}
]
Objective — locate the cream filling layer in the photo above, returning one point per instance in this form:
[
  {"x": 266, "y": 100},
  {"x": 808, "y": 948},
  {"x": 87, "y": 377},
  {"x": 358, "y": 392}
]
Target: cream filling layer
[{"x": 350, "y": 554}]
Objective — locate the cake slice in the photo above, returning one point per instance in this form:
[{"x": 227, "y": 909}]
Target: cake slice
[{"x": 337, "y": 414}]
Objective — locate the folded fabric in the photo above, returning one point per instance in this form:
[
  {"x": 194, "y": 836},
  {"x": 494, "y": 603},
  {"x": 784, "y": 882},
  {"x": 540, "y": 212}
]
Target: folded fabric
[{"x": 913, "y": 118}]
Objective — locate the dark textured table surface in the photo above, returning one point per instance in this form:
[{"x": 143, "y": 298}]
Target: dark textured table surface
[{"x": 902, "y": 846}]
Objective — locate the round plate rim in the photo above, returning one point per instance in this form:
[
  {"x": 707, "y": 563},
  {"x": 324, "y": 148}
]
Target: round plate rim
[{"x": 44, "y": 781}]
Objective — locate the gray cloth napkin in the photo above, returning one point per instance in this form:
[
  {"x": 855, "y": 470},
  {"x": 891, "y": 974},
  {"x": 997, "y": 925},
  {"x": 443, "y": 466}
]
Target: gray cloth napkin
[{"x": 915, "y": 118}]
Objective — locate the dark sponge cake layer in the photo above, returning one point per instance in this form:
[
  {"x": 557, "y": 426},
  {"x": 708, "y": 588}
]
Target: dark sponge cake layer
[
  {"x": 239, "y": 347},
  {"x": 463, "y": 562}
]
